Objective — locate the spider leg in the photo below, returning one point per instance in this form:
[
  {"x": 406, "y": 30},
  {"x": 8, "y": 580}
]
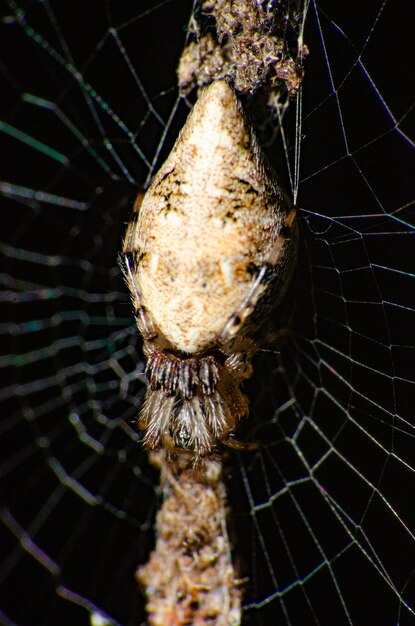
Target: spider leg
[
  {"x": 246, "y": 308},
  {"x": 230, "y": 442},
  {"x": 144, "y": 319},
  {"x": 128, "y": 263},
  {"x": 264, "y": 278},
  {"x": 130, "y": 243}
]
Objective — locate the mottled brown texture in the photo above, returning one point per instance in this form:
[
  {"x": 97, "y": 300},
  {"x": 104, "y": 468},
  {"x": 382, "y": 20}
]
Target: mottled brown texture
[
  {"x": 190, "y": 578},
  {"x": 250, "y": 46}
]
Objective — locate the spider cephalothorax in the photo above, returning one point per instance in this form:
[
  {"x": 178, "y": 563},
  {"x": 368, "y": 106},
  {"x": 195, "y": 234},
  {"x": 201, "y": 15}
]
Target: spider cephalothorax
[
  {"x": 207, "y": 255},
  {"x": 192, "y": 398}
]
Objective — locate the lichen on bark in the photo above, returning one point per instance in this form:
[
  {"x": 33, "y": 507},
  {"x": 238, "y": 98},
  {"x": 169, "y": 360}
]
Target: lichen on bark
[
  {"x": 255, "y": 45},
  {"x": 190, "y": 577}
]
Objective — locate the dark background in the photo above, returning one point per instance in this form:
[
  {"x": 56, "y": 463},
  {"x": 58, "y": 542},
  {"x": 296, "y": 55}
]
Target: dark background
[{"x": 323, "y": 511}]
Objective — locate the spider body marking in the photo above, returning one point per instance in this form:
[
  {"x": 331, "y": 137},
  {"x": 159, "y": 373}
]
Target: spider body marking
[{"x": 207, "y": 255}]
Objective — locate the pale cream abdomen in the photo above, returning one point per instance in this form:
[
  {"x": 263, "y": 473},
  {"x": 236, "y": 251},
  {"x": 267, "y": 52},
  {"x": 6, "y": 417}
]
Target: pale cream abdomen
[
  {"x": 193, "y": 277},
  {"x": 207, "y": 256},
  {"x": 209, "y": 220}
]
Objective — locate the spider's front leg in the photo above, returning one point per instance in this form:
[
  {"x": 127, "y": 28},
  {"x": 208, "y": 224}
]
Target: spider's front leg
[
  {"x": 129, "y": 261},
  {"x": 268, "y": 285}
]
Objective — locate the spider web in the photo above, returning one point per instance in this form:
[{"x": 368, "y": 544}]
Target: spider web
[{"x": 323, "y": 510}]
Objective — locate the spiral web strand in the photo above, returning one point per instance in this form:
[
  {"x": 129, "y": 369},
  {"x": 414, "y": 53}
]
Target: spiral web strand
[{"x": 323, "y": 508}]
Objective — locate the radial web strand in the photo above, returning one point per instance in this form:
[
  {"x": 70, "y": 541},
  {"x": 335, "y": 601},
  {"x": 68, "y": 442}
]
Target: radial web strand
[{"x": 323, "y": 507}]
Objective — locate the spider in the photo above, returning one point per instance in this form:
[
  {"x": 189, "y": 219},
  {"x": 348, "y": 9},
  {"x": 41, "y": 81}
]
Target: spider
[{"x": 207, "y": 256}]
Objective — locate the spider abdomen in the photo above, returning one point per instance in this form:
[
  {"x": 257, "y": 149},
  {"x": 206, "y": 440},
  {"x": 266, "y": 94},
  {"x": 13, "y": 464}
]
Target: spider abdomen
[
  {"x": 210, "y": 216},
  {"x": 212, "y": 240}
]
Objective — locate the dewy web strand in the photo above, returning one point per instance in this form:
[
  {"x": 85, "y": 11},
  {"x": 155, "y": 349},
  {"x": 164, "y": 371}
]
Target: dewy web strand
[{"x": 322, "y": 507}]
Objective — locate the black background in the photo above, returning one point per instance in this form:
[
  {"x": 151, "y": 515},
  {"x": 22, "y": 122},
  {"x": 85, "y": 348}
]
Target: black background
[{"x": 348, "y": 364}]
